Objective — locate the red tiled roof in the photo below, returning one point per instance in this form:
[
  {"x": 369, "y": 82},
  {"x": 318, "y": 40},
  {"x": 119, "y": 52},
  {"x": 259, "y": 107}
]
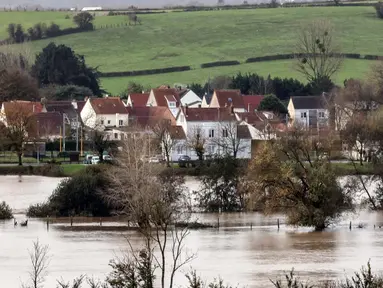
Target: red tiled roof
[
  {"x": 27, "y": 106},
  {"x": 208, "y": 114},
  {"x": 252, "y": 117},
  {"x": 139, "y": 99},
  {"x": 80, "y": 105},
  {"x": 148, "y": 116},
  {"x": 228, "y": 97},
  {"x": 161, "y": 94},
  {"x": 177, "y": 132},
  {"x": 252, "y": 102},
  {"x": 170, "y": 98},
  {"x": 110, "y": 105}
]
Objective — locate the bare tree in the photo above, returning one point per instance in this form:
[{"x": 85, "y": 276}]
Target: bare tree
[
  {"x": 228, "y": 139},
  {"x": 40, "y": 260},
  {"x": 155, "y": 202},
  {"x": 19, "y": 127},
  {"x": 318, "y": 57},
  {"x": 197, "y": 141},
  {"x": 163, "y": 132}
]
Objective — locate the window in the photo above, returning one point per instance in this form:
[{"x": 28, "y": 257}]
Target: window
[
  {"x": 211, "y": 149},
  {"x": 225, "y": 133},
  {"x": 179, "y": 149},
  {"x": 172, "y": 104},
  {"x": 108, "y": 121},
  {"x": 108, "y": 137},
  {"x": 321, "y": 114},
  {"x": 115, "y": 135},
  {"x": 120, "y": 122},
  {"x": 102, "y": 122},
  {"x": 303, "y": 115},
  {"x": 211, "y": 133}
]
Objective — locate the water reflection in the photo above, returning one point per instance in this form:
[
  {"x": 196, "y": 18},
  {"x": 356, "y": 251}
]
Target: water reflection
[{"x": 240, "y": 254}]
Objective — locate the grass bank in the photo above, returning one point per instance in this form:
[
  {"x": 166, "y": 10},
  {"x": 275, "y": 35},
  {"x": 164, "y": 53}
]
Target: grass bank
[{"x": 49, "y": 170}]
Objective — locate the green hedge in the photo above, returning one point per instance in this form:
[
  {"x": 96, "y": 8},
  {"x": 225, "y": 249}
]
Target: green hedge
[
  {"x": 292, "y": 56},
  {"x": 220, "y": 63},
  {"x": 145, "y": 72}
]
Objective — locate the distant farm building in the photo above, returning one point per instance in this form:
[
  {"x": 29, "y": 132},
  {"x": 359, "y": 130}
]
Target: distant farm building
[{"x": 91, "y": 9}]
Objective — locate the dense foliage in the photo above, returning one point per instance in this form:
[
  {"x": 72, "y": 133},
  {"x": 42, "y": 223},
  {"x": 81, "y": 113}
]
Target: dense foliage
[
  {"x": 272, "y": 103},
  {"x": 79, "y": 195},
  {"x": 379, "y": 9},
  {"x": 58, "y": 64},
  {"x": 220, "y": 183},
  {"x": 84, "y": 20},
  {"x": 65, "y": 92},
  {"x": 5, "y": 211}
]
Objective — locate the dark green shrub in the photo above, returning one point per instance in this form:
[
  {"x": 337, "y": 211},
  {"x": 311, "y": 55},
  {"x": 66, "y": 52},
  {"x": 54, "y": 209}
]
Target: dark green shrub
[
  {"x": 39, "y": 210},
  {"x": 5, "y": 211},
  {"x": 145, "y": 72},
  {"x": 220, "y": 63},
  {"x": 379, "y": 9}
]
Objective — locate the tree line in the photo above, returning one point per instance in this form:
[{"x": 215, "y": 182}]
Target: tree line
[{"x": 17, "y": 34}]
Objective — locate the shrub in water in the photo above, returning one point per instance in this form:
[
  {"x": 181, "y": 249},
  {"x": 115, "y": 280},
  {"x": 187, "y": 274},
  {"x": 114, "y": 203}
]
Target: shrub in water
[{"x": 5, "y": 211}]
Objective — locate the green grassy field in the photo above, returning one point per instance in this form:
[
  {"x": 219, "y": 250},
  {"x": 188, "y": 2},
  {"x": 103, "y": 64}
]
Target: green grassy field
[
  {"x": 174, "y": 39},
  {"x": 115, "y": 85}
]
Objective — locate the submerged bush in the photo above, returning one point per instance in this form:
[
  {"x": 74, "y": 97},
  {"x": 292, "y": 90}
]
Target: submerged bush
[
  {"x": 80, "y": 195},
  {"x": 5, "y": 211}
]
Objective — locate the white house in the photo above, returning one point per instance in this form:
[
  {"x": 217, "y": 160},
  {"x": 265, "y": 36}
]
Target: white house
[
  {"x": 189, "y": 98},
  {"x": 217, "y": 129},
  {"x": 165, "y": 97},
  {"x": 104, "y": 113},
  {"x": 91, "y": 9},
  {"x": 308, "y": 111}
]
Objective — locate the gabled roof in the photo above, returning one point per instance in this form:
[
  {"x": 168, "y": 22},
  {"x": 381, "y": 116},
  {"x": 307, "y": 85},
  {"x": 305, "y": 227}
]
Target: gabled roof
[
  {"x": 161, "y": 94},
  {"x": 252, "y": 117},
  {"x": 110, "y": 105},
  {"x": 139, "y": 99},
  {"x": 62, "y": 107},
  {"x": 243, "y": 132},
  {"x": 309, "y": 102},
  {"x": 208, "y": 114},
  {"x": 80, "y": 105},
  {"x": 229, "y": 97},
  {"x": 25, "y": 106},
  {"x": 148, "y": 115},
  {"x": 177, "y": 132},
  {"x": 207, "y": 97},
  {"x": 252, "y": 102}
]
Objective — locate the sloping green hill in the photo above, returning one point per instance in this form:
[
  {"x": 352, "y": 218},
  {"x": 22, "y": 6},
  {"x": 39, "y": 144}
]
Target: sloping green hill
[{"x": 192, "y": 38}]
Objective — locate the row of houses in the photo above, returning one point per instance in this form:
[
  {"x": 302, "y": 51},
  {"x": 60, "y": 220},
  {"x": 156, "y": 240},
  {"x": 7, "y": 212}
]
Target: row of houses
[{"x": 228, "y": 122}]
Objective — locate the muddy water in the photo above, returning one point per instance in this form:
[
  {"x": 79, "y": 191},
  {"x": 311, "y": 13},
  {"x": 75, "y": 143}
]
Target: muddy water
[{"x": 235, "y": 252}]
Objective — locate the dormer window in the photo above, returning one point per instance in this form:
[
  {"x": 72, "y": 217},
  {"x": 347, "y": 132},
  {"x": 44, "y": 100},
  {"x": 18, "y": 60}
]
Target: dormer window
[{"x": 172, "y": 104}]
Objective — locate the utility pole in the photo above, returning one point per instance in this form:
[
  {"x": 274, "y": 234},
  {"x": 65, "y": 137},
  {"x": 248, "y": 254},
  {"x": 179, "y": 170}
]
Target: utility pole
[
  {"x": 76, "y": 132},
  {"x": 38, "y": 144},
  {"x": 63, "y": 132},
  {"x": 61, "y": 137},
  {"x": 82, "y": 143}
]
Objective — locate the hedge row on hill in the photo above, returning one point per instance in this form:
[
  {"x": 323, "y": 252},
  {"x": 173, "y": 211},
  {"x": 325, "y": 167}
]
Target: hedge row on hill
[
  {"x": 145, "y": 72},
  {"x": 292, "y": 56},
  {"x": 228, "y": 63},
  {"x": 220, "y": 63}
]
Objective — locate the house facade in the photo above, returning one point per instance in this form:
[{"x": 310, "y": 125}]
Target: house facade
[
  {"x": 101, "y": 113},
  {"x": 189, "y": 98},
  {"x": 308, "y": 111},
  {"x": 216, "y": 128}
]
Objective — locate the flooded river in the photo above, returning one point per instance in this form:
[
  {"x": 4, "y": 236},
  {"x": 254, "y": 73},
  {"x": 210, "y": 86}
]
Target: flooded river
[{"x": 243, "y": 256}]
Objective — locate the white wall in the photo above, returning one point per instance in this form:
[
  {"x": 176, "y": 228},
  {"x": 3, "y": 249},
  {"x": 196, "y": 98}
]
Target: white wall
[
  {"x": 88, "y": 116},
  {"x": 189, "y": 98},
  {"x": 304, "y": 121}
]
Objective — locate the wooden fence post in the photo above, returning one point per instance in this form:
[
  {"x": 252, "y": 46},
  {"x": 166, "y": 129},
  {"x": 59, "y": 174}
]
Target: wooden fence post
[{"x": 278, "y": 223}]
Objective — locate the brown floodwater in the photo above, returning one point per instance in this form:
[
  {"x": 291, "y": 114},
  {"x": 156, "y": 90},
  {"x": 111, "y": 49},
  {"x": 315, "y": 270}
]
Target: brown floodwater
[{"x": 240, "y": 255}]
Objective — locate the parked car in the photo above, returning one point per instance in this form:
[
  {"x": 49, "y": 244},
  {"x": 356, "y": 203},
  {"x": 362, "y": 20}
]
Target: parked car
[
  {"x": 107, "y": 158},
  {"x": 184, "y": 161},
  {"x": 95, "y": 159},
  {"x": 88, "y": 159},
  {"x": 156, "y": 159}
]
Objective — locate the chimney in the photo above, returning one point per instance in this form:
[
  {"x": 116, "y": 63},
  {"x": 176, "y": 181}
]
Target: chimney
[
  {"x": 143, "y": 91},
  {"x": 199, "y": 105},
  {"x": 117, "y": 118},
  {"x": 33, "y": 108},
  {"x": 232, "y": 108},
  {"x": 225, "y": 105},
  {"x": 74, "y": 104},
  {"x": 186, "y": 110}
]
